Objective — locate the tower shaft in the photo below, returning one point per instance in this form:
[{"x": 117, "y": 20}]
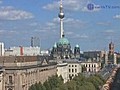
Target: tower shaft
[{"x": 61, "y": 28}]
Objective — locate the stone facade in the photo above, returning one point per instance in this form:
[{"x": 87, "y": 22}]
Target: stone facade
[
  {"x": 74, "y": 69},
  {"x": 21, "y": 77},
  {"x": 62, "y": 70},
  {"x": 92, "y": 66},
  {"x": 68, "y": 69}
]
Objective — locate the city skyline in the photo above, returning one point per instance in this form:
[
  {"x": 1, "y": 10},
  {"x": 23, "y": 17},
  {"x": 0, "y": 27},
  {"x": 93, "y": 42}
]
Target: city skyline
[{"x": 91, "y": 29}]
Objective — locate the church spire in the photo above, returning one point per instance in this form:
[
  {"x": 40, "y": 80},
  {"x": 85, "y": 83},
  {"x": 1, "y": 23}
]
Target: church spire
[{"x": 61, "y": 16}]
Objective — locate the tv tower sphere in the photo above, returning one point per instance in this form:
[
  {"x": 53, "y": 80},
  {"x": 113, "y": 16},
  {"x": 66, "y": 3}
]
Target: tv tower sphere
[{"x": 61, "y": 15}]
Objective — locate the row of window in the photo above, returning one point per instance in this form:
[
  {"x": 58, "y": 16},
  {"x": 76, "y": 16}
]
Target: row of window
[
  {"x": 89, "y": 65},
  {"x": 72, "y": 65},
  {"x": 73, "y": 70}
]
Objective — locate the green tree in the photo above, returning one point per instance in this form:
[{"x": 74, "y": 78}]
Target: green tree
[
  {"x": 47, "y": 85},
  {"x": 32, "y": 87},
  {"x": 84, "y": 68},
  {"x": 71, "y": 85},
  {"x": 79, "y": 82}
]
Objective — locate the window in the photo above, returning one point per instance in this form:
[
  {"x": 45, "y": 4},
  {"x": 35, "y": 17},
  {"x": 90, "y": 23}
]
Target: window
[
  {"x": 69, "y": 65},
  {"x": 75, "y": 70},
  {"x": 75, "y": 65},
  {"x": 69, "y": 70},
  {"x": 10, "y": 79},
  {"x": 72, "y": 65}
]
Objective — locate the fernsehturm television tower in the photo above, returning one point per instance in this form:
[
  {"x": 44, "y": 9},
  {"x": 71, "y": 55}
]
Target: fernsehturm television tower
[{"x": 61, "y": 16}]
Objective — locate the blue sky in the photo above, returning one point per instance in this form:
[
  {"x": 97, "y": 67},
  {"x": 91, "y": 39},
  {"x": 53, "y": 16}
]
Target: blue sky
[{"x": 91, "y": 29}]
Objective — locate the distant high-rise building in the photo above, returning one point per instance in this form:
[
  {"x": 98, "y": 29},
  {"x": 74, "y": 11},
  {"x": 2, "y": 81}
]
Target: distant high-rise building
[
  {"x": 35, "y": 42},
  {"x": 111, "y": 48},
  {"x": 2, "y": 50}
]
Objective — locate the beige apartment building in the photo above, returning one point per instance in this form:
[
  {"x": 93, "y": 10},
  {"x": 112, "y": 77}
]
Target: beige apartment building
[{"x": 19, "y": 73}]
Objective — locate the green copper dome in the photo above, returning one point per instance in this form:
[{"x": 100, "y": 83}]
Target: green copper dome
[{"x": 63, "y": 41}]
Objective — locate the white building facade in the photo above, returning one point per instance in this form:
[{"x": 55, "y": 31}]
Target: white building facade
[
  {"x": 62, "y": 70},
  {"x": 74, "y": 68},
  {"x": 69, "y": 69},
  {"x": 23, "y": 51}
]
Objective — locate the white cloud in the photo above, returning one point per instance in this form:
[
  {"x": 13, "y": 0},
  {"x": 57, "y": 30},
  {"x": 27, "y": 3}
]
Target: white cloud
[
  {"x": 66, "y": 20},
  {"x": 52, "y": 27},
  {"x": 6, "y": 32},
  {"x": 50, "y": 24},
  {"x": 104, "y": 23},
  {"x": 2, "y": 31},
  {"x": 34, "y": 24},
  {"x": 37, "y": 30},
  {"x": 83, "y": 36},
  {"x": 109, "y": 31},
  {"x": 70, "y": 22},
  {"x": 10, "y": 13},
  {"x": 74, "y": 5},
  {"x": 117, "y": 16},
  {"x": 69, "y": 33},
  {"x": 12, "y": 31}
]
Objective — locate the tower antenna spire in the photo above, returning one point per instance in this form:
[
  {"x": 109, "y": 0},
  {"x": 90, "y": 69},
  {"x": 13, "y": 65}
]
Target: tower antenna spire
[
  {"x": 61, "y": 16},
  {"x": 61, "y": 2}
]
